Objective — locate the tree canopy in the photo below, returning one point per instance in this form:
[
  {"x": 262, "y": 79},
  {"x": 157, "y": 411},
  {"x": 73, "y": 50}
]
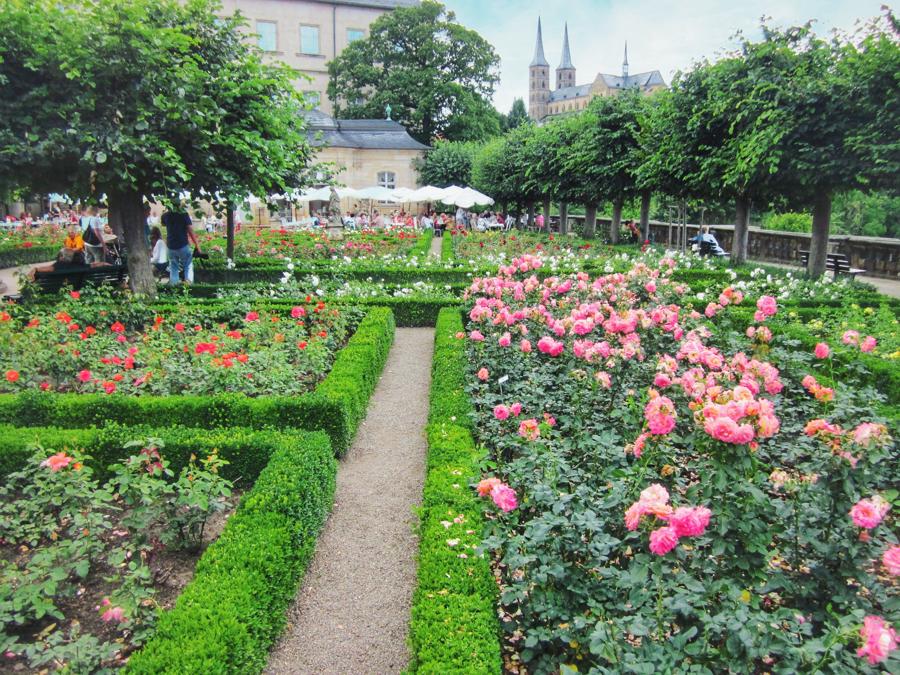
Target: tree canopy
[
  {"x": 436, "y": 75},
  {"x": 136, "y": 99},
  {"x": 448, "y": 163}
]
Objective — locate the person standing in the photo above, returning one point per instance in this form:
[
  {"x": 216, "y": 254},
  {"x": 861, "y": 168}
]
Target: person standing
[
  {"x": 179, "y": 235},
  {"x": 92, "y": 236}
]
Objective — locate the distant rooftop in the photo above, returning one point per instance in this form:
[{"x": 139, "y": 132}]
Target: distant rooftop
[
  {"x": 359, "y": 134},
  {"x": 565, "y": 93},
  {"x": 377, "y": 4},
  {"x": 636, "y": 81}
]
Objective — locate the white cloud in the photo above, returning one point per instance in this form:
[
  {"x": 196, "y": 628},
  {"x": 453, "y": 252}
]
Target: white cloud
[{"x": 662, "y": 35}]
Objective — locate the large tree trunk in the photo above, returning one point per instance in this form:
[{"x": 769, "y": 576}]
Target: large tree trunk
[
  {"x": 563, "y": 218},
  {"x": 741, "y": 231},
  {"x": 546, "y": 207},
  {"x": 531, "y": 210},
  {"x": 645, "y": 215},
  {"x": 129, "y": 206},
  {"x": 229, "y": 231},
  {"x": 590, "y": 221},
  {"x": 818, "y": 246},
  {"x": 116, "y": 221},
  {"x": 616, "y": 223}
]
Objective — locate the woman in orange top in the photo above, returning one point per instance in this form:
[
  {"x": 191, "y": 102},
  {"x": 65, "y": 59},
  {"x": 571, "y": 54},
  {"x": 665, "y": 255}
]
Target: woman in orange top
[{"x": 73, "y": 239}]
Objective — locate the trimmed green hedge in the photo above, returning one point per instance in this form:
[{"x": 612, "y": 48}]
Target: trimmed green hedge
[
  {"x": 247, "y": 451},
  {"x": 446, "y": 247},
  {"x": 423, "y": 245},
  {"x": 454, "y": 626},
  {"x": 229, "y": 616},
  {"x": 15, "y": 257},
  {"x": 336, "y": 406},
  {"x": 402, "y": 276}
]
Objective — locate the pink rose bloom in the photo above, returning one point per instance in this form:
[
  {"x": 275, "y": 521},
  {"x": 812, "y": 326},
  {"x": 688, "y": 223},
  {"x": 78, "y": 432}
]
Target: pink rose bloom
[
  {"x": 483, "y": 374},
  {"x": 751, "y": 331},
  {"x": 711, "y": 310},
  {"x": 484, "y": 487},
  {"x": 639, "y": 443},
  {"x": 476, "y": 336},
  {"x": 603, "y": 379},
  {"x": 891, "y": 560},
  {"x": 529, "y": 430},
  {"x": 660, "y": 425},
  {"x": 850, "y": 337},
  {"x": 690, "y": 521},
  {"x": 516, "y": 409},
  {"x": 633, "y": 515},
  {"x": 525, "y": 346},
  {"x": 252, "y": 316},
  {"x": 759, "y": 316},
  {"x": 504, "y": 497},
  {"x": 868, "y": 344},
  {"x": 56, "y": 462},
  {"x": 867, "y": 432},
  {"x": 764, "y": 334},
  {"x": 767, "y": 305},
  {"x": 505, "y": 340},
  {"x": 297, "y": 312},
  {"x": 879, "y": 639},
  {"x": 868, "y": 513},
  {"x": 655, "y": 494},
  {"x": 116, "y": 614},
  {"x": 822, "y": 351},
  {"x": 663, "y": 540},
  {"x": 84, "y": 376},
  {"x": 662, "y": 380},
  {"x": 501, "y": 412}
]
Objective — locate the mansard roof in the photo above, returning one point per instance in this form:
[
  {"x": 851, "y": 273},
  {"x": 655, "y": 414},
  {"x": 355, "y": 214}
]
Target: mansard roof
[{"x": 359, "y": 134}]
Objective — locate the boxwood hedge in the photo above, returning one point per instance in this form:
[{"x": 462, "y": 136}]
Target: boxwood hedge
[
  {"x": 228, "y": 617},
  {"x": 454, "y": 626},
  {"x": 336, "y": 406}
]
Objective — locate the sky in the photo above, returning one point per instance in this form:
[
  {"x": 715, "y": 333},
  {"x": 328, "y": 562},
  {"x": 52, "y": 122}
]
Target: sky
[{"x": 664, "y": 35}]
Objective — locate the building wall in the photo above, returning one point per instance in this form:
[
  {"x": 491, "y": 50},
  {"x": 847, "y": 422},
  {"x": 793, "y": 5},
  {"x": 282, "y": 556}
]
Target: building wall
[
  {"x": 333, "y": 22},
  {"x": 361, "y": 167}
]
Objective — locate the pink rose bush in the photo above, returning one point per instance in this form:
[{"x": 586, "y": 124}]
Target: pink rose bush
[
  {"x": 879, "y": 640},
  {"x": 629, "y": 384},
  {"x": 502, "y": 495}
]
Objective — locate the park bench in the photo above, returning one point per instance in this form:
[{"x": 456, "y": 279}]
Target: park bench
[
  {"x": 837, "y": 263},
  {"x": 78, "y": 277}
]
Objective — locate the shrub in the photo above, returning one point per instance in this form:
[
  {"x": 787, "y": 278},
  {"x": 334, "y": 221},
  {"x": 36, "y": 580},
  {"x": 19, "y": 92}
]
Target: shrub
[
  {"x": 228, "y": 617},
  {"x": 454, "y": 627}
]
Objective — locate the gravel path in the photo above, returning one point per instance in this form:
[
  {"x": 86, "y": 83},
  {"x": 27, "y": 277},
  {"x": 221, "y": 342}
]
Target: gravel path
[
  {"x": 352, "y": 612},
  {"x": 436, "y": 247}
]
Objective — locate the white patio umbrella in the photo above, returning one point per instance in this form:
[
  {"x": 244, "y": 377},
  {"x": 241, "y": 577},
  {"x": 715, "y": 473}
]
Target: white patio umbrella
[
  {"x": 429, "y": 193},
  {"x": 379, "y": 194},
  {"x": 465, "y": 197}
]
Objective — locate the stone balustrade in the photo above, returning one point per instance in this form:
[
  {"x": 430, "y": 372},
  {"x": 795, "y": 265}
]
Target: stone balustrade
[{"x": 879, "y": 256}]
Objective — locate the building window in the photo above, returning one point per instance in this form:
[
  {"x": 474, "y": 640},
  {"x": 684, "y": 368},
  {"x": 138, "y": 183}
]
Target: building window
[
  {"x": 313, "y": 97},
  {"x": 309, "y": 40},
  {"x": 354, "y": 34},
  {"x": 268, "y": 35},
  {"x": 387, "y": 179}
]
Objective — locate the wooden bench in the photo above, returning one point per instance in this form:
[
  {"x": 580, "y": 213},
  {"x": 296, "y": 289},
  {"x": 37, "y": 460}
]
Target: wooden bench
[
  {"x": 837, "y": 263},
  {"x": 78, "y": 277}
]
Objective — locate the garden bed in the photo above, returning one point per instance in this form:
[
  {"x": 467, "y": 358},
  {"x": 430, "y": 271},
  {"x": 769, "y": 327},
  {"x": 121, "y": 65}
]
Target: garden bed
[{"x": 674, "y": 492}]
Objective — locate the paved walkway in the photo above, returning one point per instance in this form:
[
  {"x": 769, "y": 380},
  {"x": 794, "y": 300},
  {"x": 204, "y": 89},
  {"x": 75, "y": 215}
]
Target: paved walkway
[
  {"x": 9, "y": 280},
  {"x": 352, "y": 612},
  {"x": 436, "y": 247},
  {"x": 889, "y": 287}
]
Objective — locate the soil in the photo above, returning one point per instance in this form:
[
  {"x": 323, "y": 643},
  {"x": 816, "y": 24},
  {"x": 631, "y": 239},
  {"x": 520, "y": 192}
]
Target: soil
[{"x": 172, "y": 570}]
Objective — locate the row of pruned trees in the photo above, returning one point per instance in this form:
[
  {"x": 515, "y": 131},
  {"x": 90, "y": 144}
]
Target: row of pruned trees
[
  {"x": 143, "y": 99},
  {"x": 791, "y": 119}
]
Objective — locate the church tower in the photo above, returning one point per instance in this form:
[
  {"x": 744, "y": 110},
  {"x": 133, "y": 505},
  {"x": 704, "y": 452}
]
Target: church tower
[
  {"x": 625, "y": 63},
  {"x": 565, "y": 74},
  {"x": 538, "y": 81}
]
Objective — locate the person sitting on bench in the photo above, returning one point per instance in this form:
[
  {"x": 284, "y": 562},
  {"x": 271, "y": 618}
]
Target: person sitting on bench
[
  {"x": 710, "y": 241},
  {"x": 68, "y": 259}
]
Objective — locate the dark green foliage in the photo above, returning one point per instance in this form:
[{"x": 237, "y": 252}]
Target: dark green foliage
[
  {"x": 14, "y": 257},
  {"x": 454, "y": 627},
  {"x": 229, "y": 616},
  {"x": 448, "y": 163},
  {"x": 437, "y": 76}
]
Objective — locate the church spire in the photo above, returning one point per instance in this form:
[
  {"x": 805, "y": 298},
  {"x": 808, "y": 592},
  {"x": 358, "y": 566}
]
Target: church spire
[
  {"x": 625, "y": 62},
  {"x": 566, "y": 54},
  {"x": 539, "y": 58}
]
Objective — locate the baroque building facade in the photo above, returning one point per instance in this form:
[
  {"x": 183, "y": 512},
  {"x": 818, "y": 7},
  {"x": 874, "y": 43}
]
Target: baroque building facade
[
  {"x": 545, "y": 101},
  {"x": 307, "y": 34}
]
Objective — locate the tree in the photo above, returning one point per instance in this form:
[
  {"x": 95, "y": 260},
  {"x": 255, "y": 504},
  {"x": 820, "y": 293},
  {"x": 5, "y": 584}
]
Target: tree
[
  {"x": 500, "y": 170},
  {"x": 134, "y": 99},
  {"x": 448, "y": 163},
  {"x": 517, "y": 116},
  {"x": 845, "y": 105},
  {"x": 436, "y": 75}
]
